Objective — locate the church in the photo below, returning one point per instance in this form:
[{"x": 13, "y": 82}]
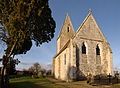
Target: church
[{"x": 82, "y": 52}]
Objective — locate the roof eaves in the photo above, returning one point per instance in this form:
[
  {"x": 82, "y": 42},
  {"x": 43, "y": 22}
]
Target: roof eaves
[{"x": 65, "y": 46}]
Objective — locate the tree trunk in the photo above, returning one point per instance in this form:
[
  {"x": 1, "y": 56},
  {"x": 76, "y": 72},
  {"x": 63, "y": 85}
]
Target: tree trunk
[
  {"x": 5, "y": 75},
  {"x": 4, "y": 78}
]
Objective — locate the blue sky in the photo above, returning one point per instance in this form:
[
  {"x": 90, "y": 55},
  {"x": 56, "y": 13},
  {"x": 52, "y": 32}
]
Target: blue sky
[{"x": 106, "y": 13}]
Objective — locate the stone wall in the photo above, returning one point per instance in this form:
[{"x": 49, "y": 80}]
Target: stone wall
[
  {"x": 90, "y": 62},
  {"x": 62, "y": 65},
  {"x": 66, "y": 33},
  {"x": 90, "y": 34}
]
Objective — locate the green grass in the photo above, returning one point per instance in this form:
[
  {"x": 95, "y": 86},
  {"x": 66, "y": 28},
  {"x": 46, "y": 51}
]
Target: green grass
[
  {"x": 28, "y": 82},
  {"x": 116, "y": 86}
]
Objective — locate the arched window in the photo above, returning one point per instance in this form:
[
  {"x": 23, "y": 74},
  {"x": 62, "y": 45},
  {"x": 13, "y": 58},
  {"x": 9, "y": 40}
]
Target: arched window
[
  {"x": 97, "y": 50},
  {"x": 68, "y": 29},
  {"x": 83, "y": 49}
]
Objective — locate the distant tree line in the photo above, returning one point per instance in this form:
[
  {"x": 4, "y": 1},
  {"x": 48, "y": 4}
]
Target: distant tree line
[{"x": 35, "y": 71}]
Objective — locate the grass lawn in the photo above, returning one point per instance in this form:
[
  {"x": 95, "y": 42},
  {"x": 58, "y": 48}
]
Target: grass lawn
[{"x": 28, "y": 82}]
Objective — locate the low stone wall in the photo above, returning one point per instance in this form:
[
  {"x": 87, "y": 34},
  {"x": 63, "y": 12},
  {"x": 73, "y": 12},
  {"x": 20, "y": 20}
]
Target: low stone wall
[{"x": 106, "y": 80}]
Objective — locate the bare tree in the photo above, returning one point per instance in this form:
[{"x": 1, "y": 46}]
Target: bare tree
[{"x": 35, "y": 69}]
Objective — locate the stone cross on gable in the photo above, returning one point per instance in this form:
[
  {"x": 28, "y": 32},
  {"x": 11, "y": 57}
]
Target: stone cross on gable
[{"x": 90, "y": 11}]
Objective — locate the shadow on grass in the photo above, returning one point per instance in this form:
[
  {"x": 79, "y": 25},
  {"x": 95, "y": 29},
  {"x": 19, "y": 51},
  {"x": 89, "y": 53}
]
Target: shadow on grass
[
  {"x": 25, "y": 84},
  {"x": 28, "y": 82}
]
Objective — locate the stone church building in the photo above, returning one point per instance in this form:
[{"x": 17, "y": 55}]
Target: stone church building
[{"x": 83, "y": 52}]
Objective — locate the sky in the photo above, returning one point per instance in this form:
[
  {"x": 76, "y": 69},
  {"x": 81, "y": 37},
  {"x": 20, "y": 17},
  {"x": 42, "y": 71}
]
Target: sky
[{"x": 106, "y": 13}]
